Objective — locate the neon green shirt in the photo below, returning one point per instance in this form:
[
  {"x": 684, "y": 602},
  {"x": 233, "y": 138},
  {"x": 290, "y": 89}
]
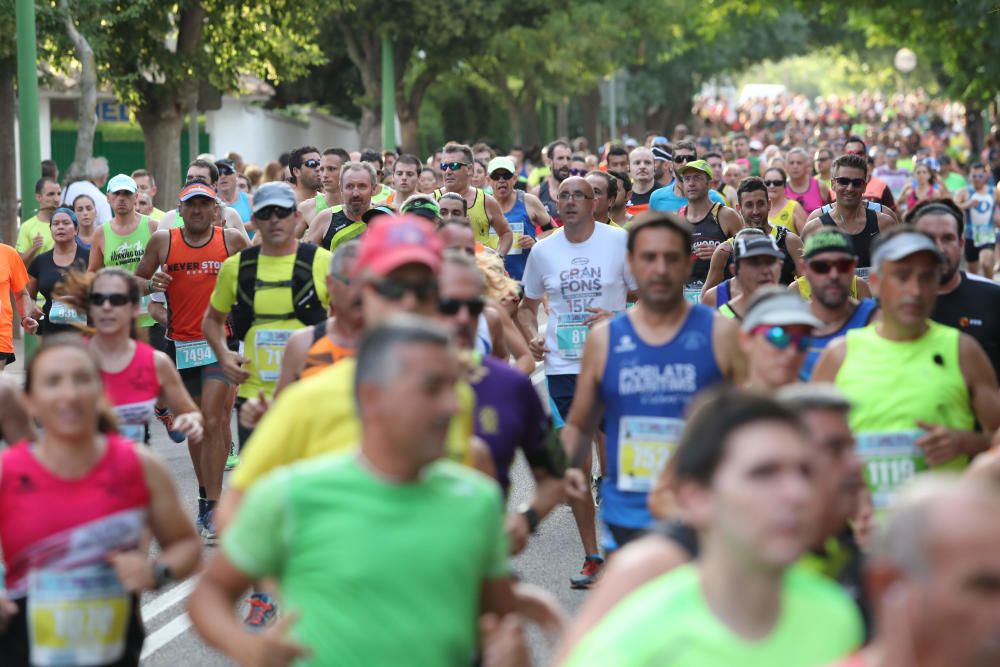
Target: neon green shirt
[
  {"x": 667, "y": 623},
  {"x": 337, "y": 538},
  {"x": 891, "y": 385},
  {"x": 27, "y": 232}
]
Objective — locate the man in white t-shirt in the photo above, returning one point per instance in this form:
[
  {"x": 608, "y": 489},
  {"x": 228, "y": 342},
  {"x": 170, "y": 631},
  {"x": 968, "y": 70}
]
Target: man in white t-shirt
[
  {"x": 94, "y": 179},
  {"x": 582, "y": 270}
]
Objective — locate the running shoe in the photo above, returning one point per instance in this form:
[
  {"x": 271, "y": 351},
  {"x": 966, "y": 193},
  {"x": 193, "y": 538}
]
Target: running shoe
[
  {"x": 208, "y": 534},
  {"x": 168, "y": 423},
  {"x": 263, "y": 610},
  {"x": 233, "y": 457},
  {"x": 588, "y": 574}
]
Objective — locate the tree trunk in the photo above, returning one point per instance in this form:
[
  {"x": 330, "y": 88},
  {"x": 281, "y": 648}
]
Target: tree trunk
[
  {"x": 408, "y": 108},
  {"x": 369, "y": 127},
  {"x": 86, "y": 117},
  {"x": 162, "y": 134},
  {"x": 409, "y": 133},
  {"x": 8, "y": 162},
  {"x": 516, "y": 128}
]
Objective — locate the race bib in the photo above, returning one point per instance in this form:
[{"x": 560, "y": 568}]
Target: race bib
[
  {"x": 571, "y": 334},
  {"x": 269, "y": 349},
  {"x": 692, "y": 294},
  {"x": 983, "y": 235},
  {"x": 644, "y": 445},
  {"x": 862, "y": 272},
  {"x": 518, "y": 229},
  {"x": 60, "y": 313},
  {"x": 77, "y": 617},
  {"x": 194, "y": 353},
  {"x": 134, "y": 432},
  {"x": 889, "y": 460},
  {"x": 144, "y": 304}
]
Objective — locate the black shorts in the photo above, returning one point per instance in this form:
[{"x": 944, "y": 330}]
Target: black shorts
[
  {"x": 195, "y": 378},
  {"x": 242, "y": 431},
  {"x": 972, "y": 250},
  {"x": 7, "y": 357},
  {"x": 622, "y": 535},
  {"x": 561, "y": 391}
]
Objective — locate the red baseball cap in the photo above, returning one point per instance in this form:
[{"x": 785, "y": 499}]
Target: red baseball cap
[
  {"x": 196, "y": 190},
  {"x": 391, "y": 242}
]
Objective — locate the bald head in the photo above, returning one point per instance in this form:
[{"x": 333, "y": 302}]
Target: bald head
[
  {"x": 576, "y": 201},
  {"x": 641, "y": 169}
]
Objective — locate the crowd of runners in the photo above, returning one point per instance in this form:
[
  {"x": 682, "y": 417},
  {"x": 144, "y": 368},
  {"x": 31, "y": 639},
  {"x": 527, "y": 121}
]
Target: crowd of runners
[{"x": 770, "y": 397}]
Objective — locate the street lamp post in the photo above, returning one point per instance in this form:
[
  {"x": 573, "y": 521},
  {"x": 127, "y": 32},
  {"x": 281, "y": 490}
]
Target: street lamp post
[{"x": 27, "y": 105}]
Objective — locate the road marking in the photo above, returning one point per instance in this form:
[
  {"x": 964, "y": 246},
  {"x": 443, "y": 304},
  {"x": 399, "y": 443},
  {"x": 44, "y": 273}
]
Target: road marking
[
  {"x": 165, "y": 635},
  {"x": 164, "y": 602}
]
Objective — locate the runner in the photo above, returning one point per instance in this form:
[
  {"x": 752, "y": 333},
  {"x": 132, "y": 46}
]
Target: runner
[
  {"x": 558, "y": 154},
  {"x": 73, "y": 508},
  {"x": 230, "y": 195},
  {"x": 145, "y": 183},
  {"x": 741, "y": 149},
  {"x": 639, "y": 373},
  {"x": 205, "y": 172},
  {"x": 892, "y": 173},
  {"x": 940, "y": 543},
  {"x": 14, "y": 283},
  {"x": 784, "y": 212},
  {"x": 756, "y": 265},
  {"x": 488, "y": 224},
  {"x": 641, "y": 169},
  {"x": 335, "y": 226},
  {"x": 712, "y": 222},
  {"x": 965, "y": 301},
  {"x": 86, "y": 216},
  {"x": 752, "y": 527},
  {"x": 885, "y": 369},
  {"x": 605, "y": 189},
  {"x": 509, "y": 414},
  {"x": 617, "y": 208},
  {"x": 271, "y": 290},
  {"x": 775, "y": 335},
  {"x": 330, "y": 164},
  {"x": 982, "y": 218},
  {"x": 47, "y": 270},
  {"x": 850, "y": 214},
  {"x": 718, "y": 183},
  {"x": 828, "y": 265},
  {"x": 801, "y": 185},
  {"x": 823, "y": 165},
  {"x": 34, "y": 236},
  {"x": 875, "y": 189},
  {"x": 380, "y": 193},
  {"x": 752, "y": 205},
  {"x": 456, "y": 568},
  {"x": 303, "y": 169},
  {"x": 584, "y": 274},
  {"x": 523, "y": 211},
  {"x": 193, "y": 256},
  {"x": 404, "y": 179},
  {"x": 617, "y": 158},
  {"x": 925, "y": 186},
  {"x": 94, "y": 178}
]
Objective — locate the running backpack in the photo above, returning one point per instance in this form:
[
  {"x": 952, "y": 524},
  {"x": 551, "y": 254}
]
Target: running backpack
[{"x": 305, "y": 300}]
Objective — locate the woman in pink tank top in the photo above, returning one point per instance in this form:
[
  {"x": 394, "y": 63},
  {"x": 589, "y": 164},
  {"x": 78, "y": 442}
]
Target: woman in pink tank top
[
  {"x": 136, "y": 377},
  {"x": 73, "y": 506}
]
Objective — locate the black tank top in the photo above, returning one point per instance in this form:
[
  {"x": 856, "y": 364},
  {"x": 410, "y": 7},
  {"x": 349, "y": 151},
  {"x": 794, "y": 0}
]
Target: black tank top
[
  {"x": 548, "y": 202},
  {"x": 707, "y": 231},
  {"x": 864, "y": 239}
]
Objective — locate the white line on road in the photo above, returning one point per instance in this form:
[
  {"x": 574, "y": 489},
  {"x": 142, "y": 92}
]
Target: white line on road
[
  {"x": 165, "y": 635},
  {"x": 164, "y": 602}
]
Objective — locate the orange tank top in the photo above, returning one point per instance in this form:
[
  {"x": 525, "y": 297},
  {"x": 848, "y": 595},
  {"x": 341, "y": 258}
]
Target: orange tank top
[
  {"x": 193, "y": 273},
  {"x": 323, "y": 353}
]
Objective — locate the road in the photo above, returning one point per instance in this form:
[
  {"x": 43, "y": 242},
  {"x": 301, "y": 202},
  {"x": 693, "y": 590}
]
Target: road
[{"x": 552, "y": 557}]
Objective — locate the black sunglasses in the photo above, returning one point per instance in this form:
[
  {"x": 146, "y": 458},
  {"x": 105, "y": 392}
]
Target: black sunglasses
[
  {"x": 682, "y": 159},
  {"x": 843, "y": 182},
  {"x": 824, "y": 266},
  {"x": 775, "y": 183},
  {"x": 452, "y": 306},
  {"x": 269, "y": 212},
  {"x": 452, "y": 166},
  {"x": 501, "y": 175},
  {"x": 225, "y": 171},
  {"x": 115, "y": 298},
  {"x": 312, "y": 164},
  {"x": 577, "y": 172},
  {"x": 395, "y": 290}
]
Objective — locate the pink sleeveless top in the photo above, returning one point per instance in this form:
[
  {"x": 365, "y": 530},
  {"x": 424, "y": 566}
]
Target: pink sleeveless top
[
  {"x": 811, "y": 199},
  {"x": 133, "y": 392},
  {"x": 51, "y": 523}
]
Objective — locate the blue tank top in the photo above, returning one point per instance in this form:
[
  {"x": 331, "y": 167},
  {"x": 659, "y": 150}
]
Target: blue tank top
[
  {"x": 242, "y": 206},
  {"x": 646, "y": 390},
  {"x": 722, "y": 294},
  {"x": 860, "y": 318},
  {"x": 520, "y": 223}
]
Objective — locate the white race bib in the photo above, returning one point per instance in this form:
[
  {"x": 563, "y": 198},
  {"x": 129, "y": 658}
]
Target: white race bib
[
  {"x": 193, "y": 353},
  {"x": 888, "y": 461},
  {"x": 644, "y": 446},
  {"x": 60, "y": 313},
  {"x": 269, "y": 348}
]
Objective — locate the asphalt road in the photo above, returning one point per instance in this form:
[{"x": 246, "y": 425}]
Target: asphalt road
[{"x": 552, "y": 557}]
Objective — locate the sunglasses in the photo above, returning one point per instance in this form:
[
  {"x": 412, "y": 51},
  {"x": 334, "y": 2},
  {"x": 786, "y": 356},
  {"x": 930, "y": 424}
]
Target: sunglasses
[
  {"x": 682, "y": 159},
  {"x": 502, "y": 175},
  {"x": 781, "y": 338},
  {"x": 843, "y": 182},
  {"x": 577, "y": 172},
  {"x": 312, "y": 164},
  {"x": 114, "y": 298},
  {"x": 269, "y": 212},
  {"x": 226, "y": 171},
  {"x": 453, "y": 306},
  {"x": 823, "y": 266},
  {"x": 395, "y": 290},
  {"x": 452, "y": 166},
  {"x": 776, "y": 184}
]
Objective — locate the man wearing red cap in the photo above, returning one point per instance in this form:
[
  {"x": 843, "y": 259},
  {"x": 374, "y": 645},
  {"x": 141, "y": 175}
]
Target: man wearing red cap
[{"x": 397, "y": 266}]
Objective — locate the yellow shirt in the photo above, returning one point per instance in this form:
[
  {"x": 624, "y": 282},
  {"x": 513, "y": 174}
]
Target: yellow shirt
[
  {"x": 27, "y": 232},
  {"x": 786, "y": 216},
  {"x": 317, "y": 415},
  {"x": 266, "y": 350},
  {"x": 805, "y": 289}
]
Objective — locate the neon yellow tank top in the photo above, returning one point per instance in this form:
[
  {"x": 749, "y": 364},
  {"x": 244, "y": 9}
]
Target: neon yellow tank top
[
  {"x": 805, "y": 289},
  {"x": 786, "y": 216},
  {"x": 892, "y": 384},
  {"x": 479, "y": 220}
]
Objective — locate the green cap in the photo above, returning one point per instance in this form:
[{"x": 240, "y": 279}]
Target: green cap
[
  {"x": 828, "y": 240},
  {"x": 697, "y": 165},
  {"x": 424, "y": 207}
]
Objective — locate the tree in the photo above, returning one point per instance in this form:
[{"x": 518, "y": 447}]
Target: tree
[{"x": 86, "y": 118}]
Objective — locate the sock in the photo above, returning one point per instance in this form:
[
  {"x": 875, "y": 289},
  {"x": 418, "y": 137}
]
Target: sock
[
  {"x": 202, "y": 492},
  {"x": 594, "y": 557},
  {"x": 210, "y": 505},
  {"x": 201, "y": 507}
]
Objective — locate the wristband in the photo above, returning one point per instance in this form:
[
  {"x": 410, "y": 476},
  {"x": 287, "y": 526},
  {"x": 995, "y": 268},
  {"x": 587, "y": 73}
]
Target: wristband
[{"x": 531, "y": 515}]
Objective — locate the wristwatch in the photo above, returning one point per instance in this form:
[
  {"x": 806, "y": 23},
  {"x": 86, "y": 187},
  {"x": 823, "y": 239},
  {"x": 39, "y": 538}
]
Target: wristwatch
[
  {"x": 531, "y": 515},
  {"x": 161, "y": 574}
]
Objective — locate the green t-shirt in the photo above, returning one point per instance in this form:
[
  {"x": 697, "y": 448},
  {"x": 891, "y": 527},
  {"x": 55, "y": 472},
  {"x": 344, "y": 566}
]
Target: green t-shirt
[
  {"x": 668, "y": 623},
  {"x": 381, "y": 574},
  {"x": 266, "y": 340},
  {"x": 955, "y": 182},
  {"x": 126, "y": 252},
  {"x": 26, "y": 233}
]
